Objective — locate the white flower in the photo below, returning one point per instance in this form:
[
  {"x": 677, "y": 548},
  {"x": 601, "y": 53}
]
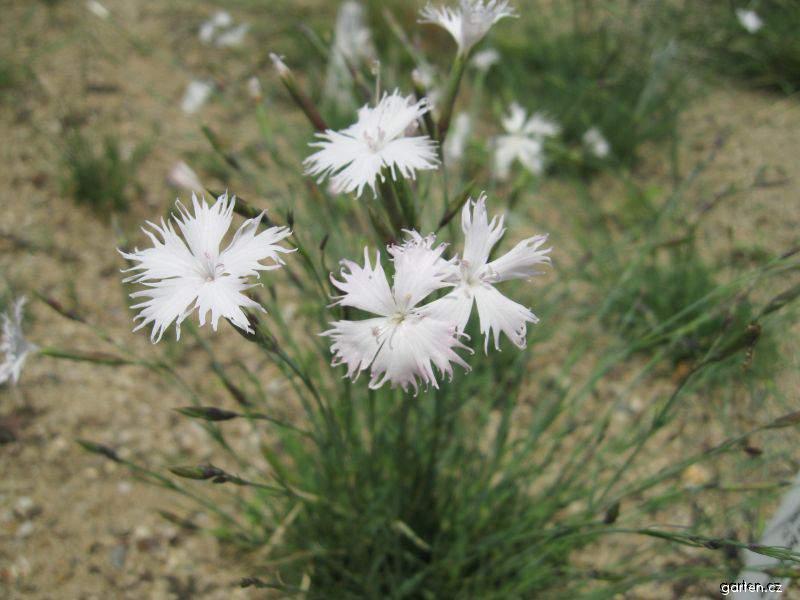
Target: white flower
[
  {"x": 475, "y": 277},
  {"x": 221, "y": 30},
  {"x": 182, "y": 176},
  {"x": 13, "y": 343},
  {"x": 197, "y": 93},
  {"x": 749, "y": 19},
  {"x": 426, "y": 77},
  {"x": 352, "y": 46},
  {"x": 523, "y": 141},
  {"x": 355, "y": 157},
  {"x": 485, "y": 59},
  {"x": 233, "y": 37},
  {"x": 402, "y": 343},
  {"x": 596, "y": 143},
  {"x": 456, "y": 142},
  {"x": 254, "y": 89},
  {"x": 97, "y": 9},
  {"x": 188, "y": 273},
  {"x": 470, "y": 22}
]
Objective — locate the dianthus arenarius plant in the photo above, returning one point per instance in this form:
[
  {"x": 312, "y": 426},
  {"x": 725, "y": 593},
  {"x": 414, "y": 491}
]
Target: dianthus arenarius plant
[{"x": 411, "y": 466}]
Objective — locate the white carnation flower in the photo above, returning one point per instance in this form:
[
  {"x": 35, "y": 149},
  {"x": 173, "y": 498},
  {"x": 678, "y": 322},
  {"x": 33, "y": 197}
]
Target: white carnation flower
[
  {"x": 475, "y": 278},
  {"x": 13, "y": 343},
  {"x": 188, "y": 273},
  {"x": 402, "y": 343},
  {"x": 749, "y": 19},
  {"x": 381, "y": 138},
  {"x": 470, "y": 22},
  {"x": 523, "y": 141}
]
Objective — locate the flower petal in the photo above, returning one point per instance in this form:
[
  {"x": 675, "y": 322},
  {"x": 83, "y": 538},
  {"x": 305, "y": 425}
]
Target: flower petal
[
  {"x": 480, "y": 235},
  {"x": 248, "y": 248},
  {"x": 410, "y": 351},
  {"x": 419, "y": 269},
  {"x": 355, "y": 343},
  {"x": 365, "y": 288},
  {"x": 454, "y": 308},
  {"x": 500, "y": 314},
  {"x": 204, "y": 230},
  {"x": 521, "y": 261}
]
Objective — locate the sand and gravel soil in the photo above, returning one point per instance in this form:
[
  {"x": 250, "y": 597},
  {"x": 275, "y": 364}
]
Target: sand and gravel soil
[{"x": 73, "y": 525}]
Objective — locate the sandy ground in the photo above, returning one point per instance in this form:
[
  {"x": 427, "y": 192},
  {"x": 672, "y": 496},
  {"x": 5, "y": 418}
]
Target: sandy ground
[{"x": 72, "y": 525}]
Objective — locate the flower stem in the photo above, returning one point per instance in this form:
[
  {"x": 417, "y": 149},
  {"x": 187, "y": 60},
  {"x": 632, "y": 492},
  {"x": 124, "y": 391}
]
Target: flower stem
[{"x": 450, "y": 95}]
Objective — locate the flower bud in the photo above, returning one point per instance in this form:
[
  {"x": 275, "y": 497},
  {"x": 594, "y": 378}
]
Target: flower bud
[{"x": 207, "y": 413}]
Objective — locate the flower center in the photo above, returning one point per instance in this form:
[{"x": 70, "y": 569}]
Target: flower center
[
  {"x": 376, "y": 142},
  {"x": 211, "y": 268}
]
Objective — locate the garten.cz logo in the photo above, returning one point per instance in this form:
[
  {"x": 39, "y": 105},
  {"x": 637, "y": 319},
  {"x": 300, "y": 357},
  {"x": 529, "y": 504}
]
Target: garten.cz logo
[{"x": 745, "y": 586}]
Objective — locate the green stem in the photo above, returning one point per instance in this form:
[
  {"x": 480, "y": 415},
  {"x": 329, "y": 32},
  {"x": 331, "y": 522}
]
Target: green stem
[{"x": 450, "y": 95}]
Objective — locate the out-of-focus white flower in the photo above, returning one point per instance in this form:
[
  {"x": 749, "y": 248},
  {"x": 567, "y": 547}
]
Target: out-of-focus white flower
[
  {"x": 596, "y": 143},
  {"x": 486, "y": 59},
  {"x": 232, "y": 37},
  {"x": 97, "y": 9},
  {"x": 475, "y": 277},
  {"x": 183, "y": 177},
  {"x": 470, "y": 22},
  {"x": 220, "y": 30},
  {"x": 456, "y": 142},
  {"x": 222, "y": 18},
  {"x": 352, "y": 46},
  {"x": 196, "y": 95},
  {"x": 425, "y": 76},
  {"x": 254, "y": 89},
  {"x": 523, "y": 141},
  {"x": 219, "y": 20},
  {"x": 381, "y": 138},
  {"x": 13, "y": 343},
  {"x": 185, "y": 273},
  {"x": 749, "y": 19},
  {"x": 402, "y": 343}
]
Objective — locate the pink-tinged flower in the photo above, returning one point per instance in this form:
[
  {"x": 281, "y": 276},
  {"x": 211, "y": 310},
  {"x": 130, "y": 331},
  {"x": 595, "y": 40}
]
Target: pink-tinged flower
[
  {"x": 188, "y": 273},
  {"x": 402, "y": 343},
  {"x": 381, "y": 139},
  {"x": 13, "y": 343},
  {"x": 470, "y": 22},
  {"x": 475, "y": 277}
]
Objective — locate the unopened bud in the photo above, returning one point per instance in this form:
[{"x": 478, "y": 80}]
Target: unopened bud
[
  {"x": 280, "y": 66},
  {"x": 612, "y": 514},
  {"x": 179, "y": 521},
  {"x": 746, "y": 339},
  {"x": 100, "y": 449},
  {"x": 301, "y": 99},
  {"x": 207, "y": 413},
  {"x": 59, "y": 308},
  {"x": 200, "y": 473},
  {"x": 789, "y": 420}
]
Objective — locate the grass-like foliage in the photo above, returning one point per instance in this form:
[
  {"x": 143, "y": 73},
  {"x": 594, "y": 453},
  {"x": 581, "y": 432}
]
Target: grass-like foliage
[
  {"x": 100, "y": 178},
  {"x": 768, "y": 56}
]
